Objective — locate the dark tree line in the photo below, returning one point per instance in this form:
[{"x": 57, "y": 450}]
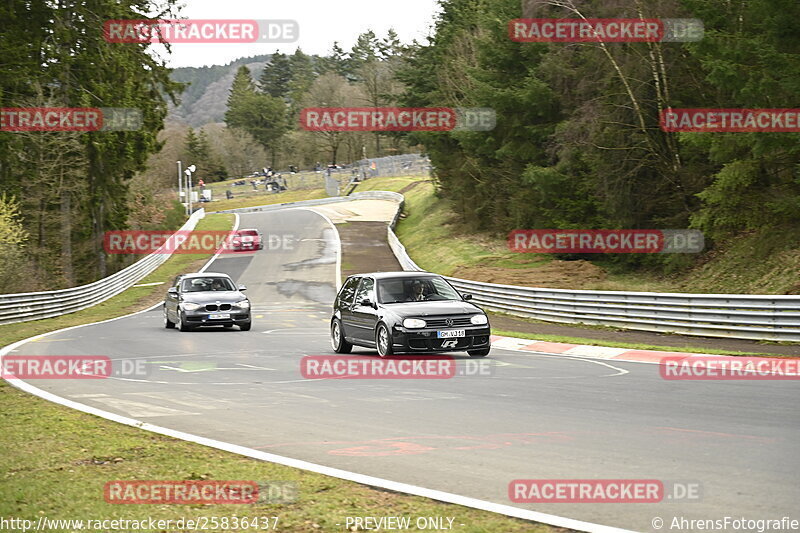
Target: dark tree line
[
  {"x": 72, "y": 187},
  {"x": 578, "y": 142}
]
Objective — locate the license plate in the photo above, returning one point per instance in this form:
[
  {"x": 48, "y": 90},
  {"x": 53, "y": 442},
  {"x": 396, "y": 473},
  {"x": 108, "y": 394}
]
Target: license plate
[
  {"x": 451, "y": 333},
  {"x": 219, "y": 316}
]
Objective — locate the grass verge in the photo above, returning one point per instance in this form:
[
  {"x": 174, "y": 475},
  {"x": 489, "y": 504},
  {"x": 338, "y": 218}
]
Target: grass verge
[
  {"x": 56, "y": 461},
  {"x": 254, "y": 200}
]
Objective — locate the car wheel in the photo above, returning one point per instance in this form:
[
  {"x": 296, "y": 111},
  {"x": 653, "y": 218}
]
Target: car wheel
[
  {"x": 246, "y": 326},
  {"x": 383, "y": 341},
  {"x": 181, "y": 323},
  {"x": 340, "y": 345},
  {"x": 483, "y": 352},
  {"x": 167, "y": 322}
]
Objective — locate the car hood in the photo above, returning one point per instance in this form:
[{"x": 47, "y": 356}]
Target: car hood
[
  {"x": 213, "y": 297},
  {"x": 406, "y": 309}
]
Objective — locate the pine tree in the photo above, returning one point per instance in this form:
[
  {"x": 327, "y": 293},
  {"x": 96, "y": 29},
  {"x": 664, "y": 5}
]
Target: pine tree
[{"x": 276, "y": 78}]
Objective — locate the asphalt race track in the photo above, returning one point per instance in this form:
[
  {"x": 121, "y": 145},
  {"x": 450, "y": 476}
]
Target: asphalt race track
[{"x": 537, "y": 416}]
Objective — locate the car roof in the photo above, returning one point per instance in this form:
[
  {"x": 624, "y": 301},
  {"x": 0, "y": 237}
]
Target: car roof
[
  {"x": 247, "y": 229},
  {"x": 205, "y": 275},
  {"x": 389, "y": 275}
]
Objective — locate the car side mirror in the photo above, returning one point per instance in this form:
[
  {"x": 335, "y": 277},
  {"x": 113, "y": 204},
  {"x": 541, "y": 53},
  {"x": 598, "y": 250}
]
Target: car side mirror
[
  {"x": 366, "y": 302},
  {"x": 467, "y": 296},
  {"x": 242, "y": 288},
  {"x": 172, "y": 290}
]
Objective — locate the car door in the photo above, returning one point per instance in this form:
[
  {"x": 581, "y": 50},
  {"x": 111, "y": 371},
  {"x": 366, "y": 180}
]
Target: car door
[
  {"x": 365, "y": 316},
  {"x": 344, "y": 303},
  {"x": 171, "y": 301}
]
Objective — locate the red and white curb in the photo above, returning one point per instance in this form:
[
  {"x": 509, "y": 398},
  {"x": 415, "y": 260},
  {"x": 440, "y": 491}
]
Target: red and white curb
[{"x": 599, "y": 352}]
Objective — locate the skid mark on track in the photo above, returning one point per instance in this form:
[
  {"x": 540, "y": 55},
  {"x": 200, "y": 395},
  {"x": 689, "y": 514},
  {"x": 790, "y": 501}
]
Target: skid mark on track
[{"x": 429, "y": 443}]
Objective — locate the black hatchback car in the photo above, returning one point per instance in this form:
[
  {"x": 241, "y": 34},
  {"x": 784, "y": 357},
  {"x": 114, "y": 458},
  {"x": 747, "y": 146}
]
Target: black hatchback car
[{"x": 407, "y": 312}]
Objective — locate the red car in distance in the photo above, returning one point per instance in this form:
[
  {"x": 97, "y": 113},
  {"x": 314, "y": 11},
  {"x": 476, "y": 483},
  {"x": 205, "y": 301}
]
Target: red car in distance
[{"x": 247, "y": 240}]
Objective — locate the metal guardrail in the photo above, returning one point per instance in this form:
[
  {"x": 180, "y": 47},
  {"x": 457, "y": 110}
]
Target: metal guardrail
[
  {"x": 22, "y": 307},
  {"x": 739, "y": 316},
  {"x": 742, "y": 316}
]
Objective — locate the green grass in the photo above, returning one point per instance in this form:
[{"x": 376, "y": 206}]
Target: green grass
[
  {"x": 264, "y": 198},
  {"x": 55, "y": 461},
  {"x": 755, "y": 263}
]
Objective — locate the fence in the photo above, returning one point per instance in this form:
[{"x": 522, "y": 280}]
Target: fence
[{"x": 22, "y": 307}]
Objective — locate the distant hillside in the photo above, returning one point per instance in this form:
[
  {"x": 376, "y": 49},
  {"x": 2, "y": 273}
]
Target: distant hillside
[{"x": 203, "y": 101}]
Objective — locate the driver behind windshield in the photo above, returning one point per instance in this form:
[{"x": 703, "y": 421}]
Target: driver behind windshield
[{"x": 417, "y": 292}]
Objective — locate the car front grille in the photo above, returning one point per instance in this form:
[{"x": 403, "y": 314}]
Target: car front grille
[
  {"x": 215, "y": 307},
  {"x": 442, "y": 322}
]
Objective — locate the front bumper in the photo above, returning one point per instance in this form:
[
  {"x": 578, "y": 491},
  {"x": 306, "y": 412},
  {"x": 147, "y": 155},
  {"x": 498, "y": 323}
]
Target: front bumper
[
  {"x": 426, "y": 339},
  {"x": 201, "y": 318}
]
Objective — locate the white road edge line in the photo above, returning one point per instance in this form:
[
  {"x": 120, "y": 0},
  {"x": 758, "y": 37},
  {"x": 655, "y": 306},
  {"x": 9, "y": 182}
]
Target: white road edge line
[{"x": 446, "y": 497}]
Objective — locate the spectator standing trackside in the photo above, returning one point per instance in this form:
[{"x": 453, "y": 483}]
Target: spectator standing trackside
[{"x": 201, "y": 184}]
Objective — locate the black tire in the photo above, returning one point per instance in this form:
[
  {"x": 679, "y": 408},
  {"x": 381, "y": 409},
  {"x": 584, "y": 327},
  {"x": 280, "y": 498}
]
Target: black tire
[
  {"x": 181, "y": 323},
  {"x": 383, "y": 341},
  {"x": 483, "y": 352},
  {"x": 338, "y": 342},
  {"x": 246, "y": 326},
  {"x": 167, "y": 322}
]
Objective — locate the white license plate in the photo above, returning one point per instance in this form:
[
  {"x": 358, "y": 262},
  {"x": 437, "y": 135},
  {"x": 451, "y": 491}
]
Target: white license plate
[
  {"x": 219, "y": 316},
  {"x": 451, "y": 333}
]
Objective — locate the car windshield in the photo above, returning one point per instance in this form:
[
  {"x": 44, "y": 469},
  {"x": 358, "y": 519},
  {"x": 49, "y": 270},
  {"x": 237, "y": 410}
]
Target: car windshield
[
  {"x": 249, "y": 233},
  {"x": 415, "y": 289},
  {"x": 207, "y": 284}
]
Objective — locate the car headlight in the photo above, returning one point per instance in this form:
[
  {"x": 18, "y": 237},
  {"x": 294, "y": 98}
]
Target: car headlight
[
  {"x": 244, "y": 304},
  {"x": 413, "y": 323},
  {"x": 189, "y": 306},
  {"x": 479, "y": 320}
]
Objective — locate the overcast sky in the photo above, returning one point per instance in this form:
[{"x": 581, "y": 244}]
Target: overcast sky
[{"x": 321, "y": 23}]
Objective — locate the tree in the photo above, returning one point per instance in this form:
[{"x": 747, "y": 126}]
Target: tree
[
  {"x": 54, "y": 53},
  {"x": 302, "y": 75},
  {"x": 332, "y": 90},
  {"x": 13, "y": 239},
  {"x": 276, "y": 78}
]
